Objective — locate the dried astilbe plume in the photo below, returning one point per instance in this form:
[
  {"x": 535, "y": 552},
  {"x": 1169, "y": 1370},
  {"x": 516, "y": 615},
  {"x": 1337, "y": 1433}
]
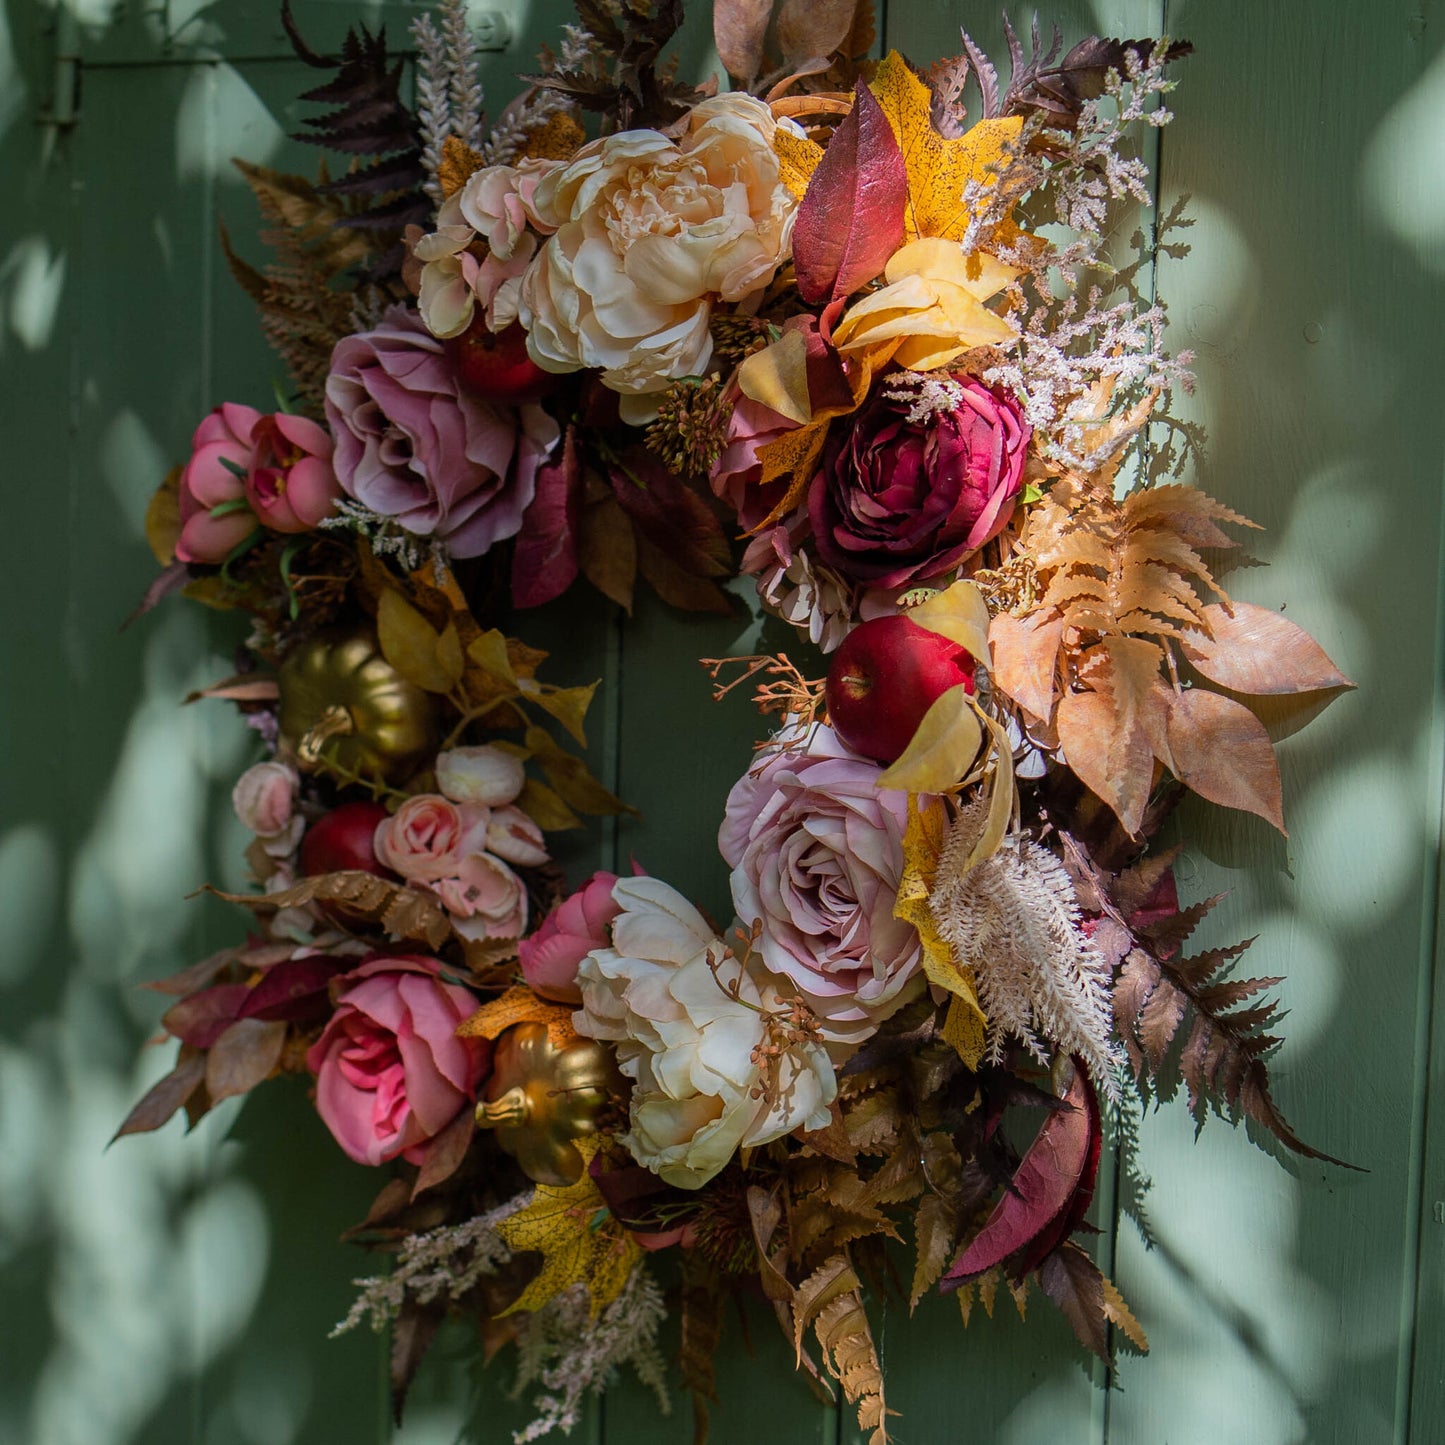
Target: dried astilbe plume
[{"x": 1014, "y": 920}]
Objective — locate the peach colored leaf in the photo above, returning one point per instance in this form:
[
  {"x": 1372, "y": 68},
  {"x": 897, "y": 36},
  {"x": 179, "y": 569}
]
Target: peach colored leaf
[
  {"x": 943, "y": 750},
  {"x": 1252, "y": 650},
  {"x": 739, "y": 28},
  {"x": 1025, "y": 660},
  {"x": 1115, "y": 763},
  {"x": 1222, "y": 752}
]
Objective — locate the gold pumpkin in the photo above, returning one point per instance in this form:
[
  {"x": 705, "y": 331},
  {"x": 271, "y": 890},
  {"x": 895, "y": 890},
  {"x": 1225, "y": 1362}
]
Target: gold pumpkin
[
  {"x": 543, "y": 1094},
  {"x": 342, "y": 702}
]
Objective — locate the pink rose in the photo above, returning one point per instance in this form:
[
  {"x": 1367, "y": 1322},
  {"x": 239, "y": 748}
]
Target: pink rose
[
  {"x": 427, "y": 837},
  {"x": 816, "y": 849},
  {"x": 512, "y": 835},
  {"x": 215, "y": 514},
  {"x": 414, "y": 444},
  {"x": 265, "y": 801},
  {"x": 736, "y": 474},
  {"x": 577, "y": 925},
  {"x": 896, "y": 501},
  {"x": 485, "y": 898},
  {"x": 391, "y": 1072},
  {"x": 290, "y": 485}
]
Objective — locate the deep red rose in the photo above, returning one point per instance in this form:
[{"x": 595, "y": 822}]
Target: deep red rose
[{"x": 897, "y": 501}]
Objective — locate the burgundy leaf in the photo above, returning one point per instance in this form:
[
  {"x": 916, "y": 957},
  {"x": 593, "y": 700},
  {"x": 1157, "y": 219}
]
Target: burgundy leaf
[
  {"x": 245, "y": 1055},
  {"x": 164, "y": 1098},
  {"x": 1072, "y": 1215},
  {"x": 196, "y": 976},
  {"x": 1042, "y": 1190},
  {"x": 294, "y": 989},
  {"x": 203, "y": 1017},
  {"x": 669, "y": 514},
  {"x": 851, "y": 217},
  {"x": 544, "y": 564},
  {"x": 446, "y": 1151}
]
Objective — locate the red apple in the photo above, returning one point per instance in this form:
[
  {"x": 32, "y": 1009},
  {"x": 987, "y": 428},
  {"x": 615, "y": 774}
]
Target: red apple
[
  {"x": 496, "y": 365},
  {"x": 342, "y": 840},
  {"x": 884, "y": 677}
]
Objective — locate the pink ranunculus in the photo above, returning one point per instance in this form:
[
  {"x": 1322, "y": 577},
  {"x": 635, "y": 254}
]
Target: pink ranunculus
[
  {"x": 577, "y": 925},
  {"x": 897, "y": 501},
  {"x": 512, "y": 835},
  {"x": 414, "y": 444},
  {"x": 427, "y": 837},
  {"x": 391, "y": 1072},
  {"x": 216, "y": 516},
  {"x": 291, "y": 486},
  {"x": 816, "y": 852},
  {"x": 485, "y": 898}
]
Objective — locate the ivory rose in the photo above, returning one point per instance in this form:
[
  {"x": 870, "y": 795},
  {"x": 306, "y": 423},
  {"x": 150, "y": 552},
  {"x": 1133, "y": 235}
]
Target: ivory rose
[
  {"x": 664, "y": 994},
  {"x": 414, "y": 444},
  {"x": 391, "y": 1072},
  {"x": 816, "y": 852},
  {"x": 649, "y": 231},
  {"x": 483, "y": 774}
]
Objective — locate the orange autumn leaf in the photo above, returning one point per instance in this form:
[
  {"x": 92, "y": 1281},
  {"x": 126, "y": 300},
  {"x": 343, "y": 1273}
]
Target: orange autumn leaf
[
  {"x": 519, "y": 1005},
  {"x": 938, "y": 169},
  {"x": 1255, "y": 651},
  {"x": 1222, "y": 752}
]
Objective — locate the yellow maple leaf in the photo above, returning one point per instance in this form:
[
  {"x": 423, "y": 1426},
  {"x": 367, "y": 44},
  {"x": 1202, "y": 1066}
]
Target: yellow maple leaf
[
  {"x": 798, "y": 158},
  {"x": 966, "y": 1024},
  {"x": 579, "y": 1241},
  {"x": 938, "y": 169},
  {"x": 519, "y": 1005}
]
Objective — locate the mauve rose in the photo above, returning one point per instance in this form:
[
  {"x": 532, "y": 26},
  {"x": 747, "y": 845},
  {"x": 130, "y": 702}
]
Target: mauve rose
[
  {"x": 414, "y": 444},
  {"x": 427, "y": 838},
  {"x": 816, "y": 849},
  {"x": 736, "y": 473},
  {"x": 391, "y": 1072},
  {"x": 895, "y": 501},
  {"x": 577, "y": 925},
  {"x": 215, "y": 478},
  {"x": 291, "y": 486}
]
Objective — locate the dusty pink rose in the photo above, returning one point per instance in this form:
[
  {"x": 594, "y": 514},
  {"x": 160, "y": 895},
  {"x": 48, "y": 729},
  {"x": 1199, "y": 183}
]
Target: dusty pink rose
[
  {"x": 816, "y": 849},
  {"x": 265, "y": 798},
  {"x": 735, "y": 474},
  {"x": 577, "y": 925},
  {"x": 216, "y": 516},
  {"x": 290, "y": 485},
  {"x": 485, "y": 898},
  {"x": 414, "y": 444},
  {"x": 897, "y": 501},
  {"x": 391, "y": 1072},
  {"x": 427, "y": 838}
]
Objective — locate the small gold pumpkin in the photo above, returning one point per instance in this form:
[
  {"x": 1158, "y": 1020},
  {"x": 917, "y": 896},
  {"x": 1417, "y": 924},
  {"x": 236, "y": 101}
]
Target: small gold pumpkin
[
  {"x": 342, "y": 702},
  {"x": 541, "y": 1095}
]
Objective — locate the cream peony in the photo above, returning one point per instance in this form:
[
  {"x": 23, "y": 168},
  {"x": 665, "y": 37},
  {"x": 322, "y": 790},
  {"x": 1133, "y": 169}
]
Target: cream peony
[
  {"x": 649, "y": 231},
  {"x": 664, "y": 994}
]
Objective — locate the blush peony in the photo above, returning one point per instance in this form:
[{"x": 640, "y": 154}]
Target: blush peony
[
  {"x": 691, "y": 1025},
  {"x": 391, "y": 1072},
  {"x": 816, "y": 852},
  {"x": 649, "y": 231},
  {"x": 898, "y": 500},
  {"x": 413, "y": 444}
]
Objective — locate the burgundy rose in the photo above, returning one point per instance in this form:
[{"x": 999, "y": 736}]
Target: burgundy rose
[
  {"x": 897, "y": 501},
  {"x": 414, "y": 444}
]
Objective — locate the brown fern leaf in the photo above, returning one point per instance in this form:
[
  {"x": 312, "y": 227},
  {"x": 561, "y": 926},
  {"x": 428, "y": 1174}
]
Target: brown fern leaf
[
  {"x": 701, "y": 1325},
  {"x": 830, "y": 1300}
]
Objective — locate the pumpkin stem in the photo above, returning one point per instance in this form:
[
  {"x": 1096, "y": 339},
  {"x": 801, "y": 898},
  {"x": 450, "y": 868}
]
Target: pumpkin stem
[{"x": 335, "y": 722}]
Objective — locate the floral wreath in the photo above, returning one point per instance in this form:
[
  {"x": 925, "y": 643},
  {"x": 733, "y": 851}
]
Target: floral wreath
[{"x": 817, "y": 311}]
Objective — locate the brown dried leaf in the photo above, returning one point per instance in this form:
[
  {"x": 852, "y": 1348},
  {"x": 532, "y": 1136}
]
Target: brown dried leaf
[
  {"x": 1221, "y": 751},
  {"x": 242, "y": 687},
  {"x": 247, "y": 1054},
  {"x": 519, "y": 1005},
  {"x": 1255, "y": 651},
  {"x": 607, "y": 550},
  {"x": 164, "y": 1097},
  {"x": 445, "y": 1152},
  {"x": 1114, "y": 763},
  {"x": 739, "y": 29},
  {"x": 808, "y": 28},
  {"x": 1025, "y": 660},
  {"x": 459, "y": 162},
  {"x": 1074, "y": 1282}
]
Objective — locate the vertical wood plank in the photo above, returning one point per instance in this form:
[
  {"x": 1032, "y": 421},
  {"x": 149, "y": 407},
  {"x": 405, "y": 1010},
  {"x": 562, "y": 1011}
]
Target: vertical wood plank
[{"x": 1278, "y": 1299}]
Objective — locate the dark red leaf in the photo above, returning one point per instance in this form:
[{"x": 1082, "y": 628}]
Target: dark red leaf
[
  {"x": 1042, "y": 1190},
  {"x": 850, "y": 220},
  {"x": 203, "y": 1017},
  {"x": 446, "y": 1151},
  {"x": 670, "y": 514},
  {"x": 164, "y": 1098},
  {"x": 1073, "y": 1281},
  {"x": 245, "y": 1055},
  {"x": 544, "y": 564},
  {"x": 295, "y": 989},
  {"x": 1072, "y": 1215}
]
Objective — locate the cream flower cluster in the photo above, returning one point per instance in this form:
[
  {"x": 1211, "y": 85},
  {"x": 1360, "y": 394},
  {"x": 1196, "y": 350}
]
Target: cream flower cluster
[
  {"x": 693, "y": 1029},
  {"x": 613, "y": 260}
]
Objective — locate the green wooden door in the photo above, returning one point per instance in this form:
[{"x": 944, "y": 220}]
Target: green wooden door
[{"x": 181, "y": 1289}]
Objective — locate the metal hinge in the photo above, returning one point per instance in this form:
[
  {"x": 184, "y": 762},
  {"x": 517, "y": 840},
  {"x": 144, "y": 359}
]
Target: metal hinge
[{"x": 64, "y": 108}]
